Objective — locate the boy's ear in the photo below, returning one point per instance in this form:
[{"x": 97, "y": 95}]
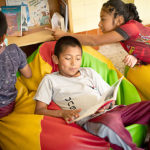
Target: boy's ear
[{"x": 55, "y": 59}]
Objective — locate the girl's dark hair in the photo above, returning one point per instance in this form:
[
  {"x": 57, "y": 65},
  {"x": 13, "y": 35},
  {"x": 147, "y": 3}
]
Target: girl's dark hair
[
  {"x": 64, "y": 42},
  {"x": 128, "y": 11},
  {"x": 3, "y": 24}
]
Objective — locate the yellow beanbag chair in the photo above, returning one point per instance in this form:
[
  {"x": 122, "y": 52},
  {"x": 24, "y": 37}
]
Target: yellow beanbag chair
[{"x": 140, "y": 77}]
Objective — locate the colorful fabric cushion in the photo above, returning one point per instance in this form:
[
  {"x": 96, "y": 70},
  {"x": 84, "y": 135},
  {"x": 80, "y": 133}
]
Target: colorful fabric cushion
[
  {"x": 137, "y": 41},
  {"x": 140, "y": 77},
  {"x": 22, "y": 129}
]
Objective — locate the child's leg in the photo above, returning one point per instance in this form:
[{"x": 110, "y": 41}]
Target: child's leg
[
  {"x": 4, "y": 111},
  {"x": 118, "y": 136},
  {"x": 108, "y": 134},
  {"x": 122, "y": 116},
  {"x": 136, "y": 113}
]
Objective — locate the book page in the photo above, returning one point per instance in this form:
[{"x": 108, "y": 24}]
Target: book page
[
  {"x": 39, "y": 12},
  {"x": 111, "y": 93},
  {"x": 109, "y": 96}
]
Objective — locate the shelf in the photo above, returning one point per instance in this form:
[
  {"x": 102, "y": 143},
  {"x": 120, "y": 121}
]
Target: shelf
[{"x": 33, "y": 36}]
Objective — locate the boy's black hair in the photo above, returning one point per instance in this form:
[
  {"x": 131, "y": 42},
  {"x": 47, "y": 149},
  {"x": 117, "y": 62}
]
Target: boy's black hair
[
  {"x": 128, "y": 11},
  {"x": 3, "y": 24},
  {"x": 64, "y": 42}
]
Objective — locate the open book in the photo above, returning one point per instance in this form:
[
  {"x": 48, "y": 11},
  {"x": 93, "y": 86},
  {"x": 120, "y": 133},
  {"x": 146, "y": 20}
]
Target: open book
[{"x": 108, "y": 97}]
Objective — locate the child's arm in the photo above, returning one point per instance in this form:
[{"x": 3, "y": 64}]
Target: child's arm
[
  {"x": 67, "y": 115},
  {"x": 93, "y": 40},
  {"x": 26, "y": 71}
]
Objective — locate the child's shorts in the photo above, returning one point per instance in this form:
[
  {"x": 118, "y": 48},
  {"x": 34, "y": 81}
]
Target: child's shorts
[{"x": 4, "y": 111}]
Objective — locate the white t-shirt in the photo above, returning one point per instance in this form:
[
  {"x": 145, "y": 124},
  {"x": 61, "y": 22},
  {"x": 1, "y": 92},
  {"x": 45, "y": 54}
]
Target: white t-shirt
[{"x": 71, "y": 92}]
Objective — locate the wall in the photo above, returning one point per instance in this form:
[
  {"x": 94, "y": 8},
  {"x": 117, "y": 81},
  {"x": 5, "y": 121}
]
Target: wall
[
  {"x": 128, "y": 1},
  {"x": 84, "y": 15},
  {"x": 143, "y": 7}
]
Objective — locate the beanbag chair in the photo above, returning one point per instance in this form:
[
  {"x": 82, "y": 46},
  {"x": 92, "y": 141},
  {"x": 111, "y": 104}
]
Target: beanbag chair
[
  {"x": 140, "y": 77},
  {"x": 23, "y": 130}
]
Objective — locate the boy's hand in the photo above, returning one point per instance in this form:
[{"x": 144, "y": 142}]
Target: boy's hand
[
  {"x": 103, "y": 109},
  {"x": 70, "y": 115},
  {"x": 57, "y": 33},
  {"x": 106, "y": 107},
  {"x": 130, "y": 60}
]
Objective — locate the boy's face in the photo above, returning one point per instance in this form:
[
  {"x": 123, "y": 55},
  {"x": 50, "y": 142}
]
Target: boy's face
[
  {"x": 69, "y": 61},
  {"x": 107, "y": 21}
]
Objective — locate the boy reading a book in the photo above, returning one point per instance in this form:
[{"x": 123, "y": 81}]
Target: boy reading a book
[
  {"x": 71, "y": 83},
  {"x": 12, "y": 59}
]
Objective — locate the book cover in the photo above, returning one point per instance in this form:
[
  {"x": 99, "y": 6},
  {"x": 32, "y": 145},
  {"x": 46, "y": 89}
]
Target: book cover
[
  {"x": 95, "y": 104},
  {"x": 25, "y": 11},
  {"x": 13, "y": 16},
  {"x": 64, "y": 12},
  {"x": 39, "y": 12}
]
